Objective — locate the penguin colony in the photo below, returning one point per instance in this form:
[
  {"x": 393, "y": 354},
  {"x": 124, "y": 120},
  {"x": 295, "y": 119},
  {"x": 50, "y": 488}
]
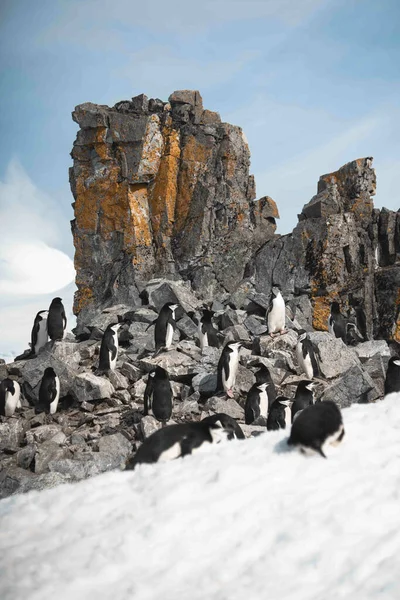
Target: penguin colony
[{"x": 313, "y": 426}]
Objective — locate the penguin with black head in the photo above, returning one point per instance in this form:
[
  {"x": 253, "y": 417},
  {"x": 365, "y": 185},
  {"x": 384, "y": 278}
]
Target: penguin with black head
[
  {"x": 317, "y": 427},
  {"x": 226, "y": 422},
  {"x": 257, "y": 403},
  {"x": 208, "y": 335},
  {"x": 49, "y": 392},
  {"x": 337, "y": 322},
  {"x": 304, "y": 397},
  {"x": 39, "y": 335},
  {"x": 227, "y": 369},
  {"x": 392, "y": 379},
  {"x": 10, "y": 397},
  {"x": 175, "y": 441},
  {"x": 158, "y": 396},
  {"x": 279, "y": 416},
  {"x": 165, "y": 326},
  {"x": 109, "y": 348},
  {"x": 276, "y": 316},
  {"x": 56, "y": 320},
  {"x": 263, "y": 375},
  {"x": 306, "y": 355}
]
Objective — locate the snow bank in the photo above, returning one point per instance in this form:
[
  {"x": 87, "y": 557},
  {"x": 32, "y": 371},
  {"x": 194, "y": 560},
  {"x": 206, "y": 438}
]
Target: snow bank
[{"x": 249, "y": 520}]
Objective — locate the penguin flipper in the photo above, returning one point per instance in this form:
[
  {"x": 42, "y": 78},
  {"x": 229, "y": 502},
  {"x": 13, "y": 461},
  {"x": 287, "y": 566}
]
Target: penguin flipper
[
  {"x": 281, "y": 422},
  {"x": 150, "y": 324},
  {"x": 64, "y": 318},
  {"x": 113, "y": 349}
]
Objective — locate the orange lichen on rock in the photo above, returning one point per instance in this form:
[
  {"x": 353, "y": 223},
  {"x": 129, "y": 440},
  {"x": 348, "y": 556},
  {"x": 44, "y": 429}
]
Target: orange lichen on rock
[
  {"x": 321, "y": 313},
  {"x": 139, "y": 216},
  {"x": 83, "y": 297}
]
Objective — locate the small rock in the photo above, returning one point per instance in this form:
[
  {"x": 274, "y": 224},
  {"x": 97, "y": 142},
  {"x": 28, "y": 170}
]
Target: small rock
[
  {"x": 256, "y": 325},
  {"x": 149, "y": 425},
  {"x": 88, "y": 386},
  {"x": 87, "y": 406},
  {"x": 116, "y": 445},
  {"x": 12, "y": 432},
  {"x": 46, "y": 452},
  {"x": 354, "y": 386},
  {"x": 25, "y": 456},
  {"x": 42, "y": 434},
  {"x": 334, "y": 357},
  {"x": 205, "y": 383},
  {"x": 118, "y": 381},
  {"x": 130, "y": 371},
  {"x": 228, "y": 406}
]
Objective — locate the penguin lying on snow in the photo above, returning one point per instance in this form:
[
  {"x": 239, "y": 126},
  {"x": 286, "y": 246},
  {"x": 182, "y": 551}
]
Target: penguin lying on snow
[
  {"x": 227, "y": 367},
  {"x": 39, "y": 336},
  {"x": 316, "y": 427},
  {"x": 304, "y": 397},
  {"x": 228, "y": 423},
  {"x": 56, "y": 320},
  {"x": 208, "y": 335},
  {"x": 165, "y": 326},
  {"x": 279, "y": 415},
  {"x": 257, "y": 403},
  {"x": 49, "y": 392},
  {"x": 276, "y": 314},
  {"x": 175, "y": 441},
  {"x": 306, "y": 355},
  {"x": 392, "y": 380},
  {"x": 10, "y": 397},
  {"x": 109, "y": 348},
  {"x": 158, "y": 395}
]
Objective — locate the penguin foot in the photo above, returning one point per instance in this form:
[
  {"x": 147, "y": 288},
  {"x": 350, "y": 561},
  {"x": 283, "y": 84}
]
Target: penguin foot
[{"x": 229, "y": 393}]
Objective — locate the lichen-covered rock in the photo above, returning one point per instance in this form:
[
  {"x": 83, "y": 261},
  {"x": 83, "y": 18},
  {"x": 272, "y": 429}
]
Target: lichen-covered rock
[{"x": 161, "y": 189}]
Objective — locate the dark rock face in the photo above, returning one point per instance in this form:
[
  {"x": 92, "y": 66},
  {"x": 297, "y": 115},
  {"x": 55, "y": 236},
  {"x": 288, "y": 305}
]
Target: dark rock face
[{"x": 161, "y": 189}]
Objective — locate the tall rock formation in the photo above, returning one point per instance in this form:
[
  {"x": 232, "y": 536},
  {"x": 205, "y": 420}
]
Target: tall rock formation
[{"x": 161, "y": 189}]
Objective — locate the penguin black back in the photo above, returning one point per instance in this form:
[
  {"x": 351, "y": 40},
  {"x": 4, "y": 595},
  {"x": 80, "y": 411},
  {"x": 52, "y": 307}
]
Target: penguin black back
[
  {"x": 208, "y": 335},
  {"x": 109, "y": 347},
  {"x": 257, "y": 403},
  {"x": 279, "y": 415},
  {"x": 316, "y": 426},
  {"x": 227, "y": 367},
  {"x": 337, "y": 322},
  {"x": 228, "y": 423},
  {"x": 264, "y": 376},
  {"x": 56, "y": 320},
  {"x": 161, "y": 395},
  {"x": 39, "y": 336},
  {"x": 392, "y": 379},
  {"x": 49, "y": 392},
  {"x": 304, "y": 396},
  {"x": 165, "y": 326}
]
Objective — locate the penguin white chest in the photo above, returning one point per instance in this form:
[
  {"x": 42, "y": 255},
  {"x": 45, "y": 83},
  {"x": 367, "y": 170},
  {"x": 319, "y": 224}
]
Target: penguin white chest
[
  {"x": 42, "y": 336},
  {"x": 276, "y": 317},
  {"x": 203, "y": 337},
  {"x": 169, "y": 335},
  {"x": 171, "y": 453},
  {"x": 233, "y": 367},
  {"x": 304, "y": 361},
  {"x": 113, "y": 361},
  {"x": 54, "y": 404},
  {"x": 288, "y": 416},
  {"x": 264, "y": 403},
  {"x": 12, "y": 400}
]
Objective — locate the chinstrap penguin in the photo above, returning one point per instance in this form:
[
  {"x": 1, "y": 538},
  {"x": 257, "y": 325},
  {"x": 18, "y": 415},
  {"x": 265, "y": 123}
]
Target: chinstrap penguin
[
  {"x": 316, "y": 427},
  {"x": 392, "y": 379},
  {"x": 264, "y": 376},
  {"x": 175, "y": 441},
  {"x": 165, "y": 326},
  {"x": 109, "y": 348},
  {"x": 279, "y": 416},
  {"x": 306, "y": 355},
  {"x": 228, "y": 423},
  {"x": 56, "y": 320},
  {"x": 337, "y": 322},
  {"x": 49, "y": 392},
  {"x": 227, "y": 367},
  {"x": 257, "y": 403},
  {"x": 208, "y": 335},
  {"x": 276, "y": 314},
  {"x": 39, "y": 335},
  {"x": 304, "y": 397},
  {"x": 158, "y": 396},
  {"x": 10, "y": 397}
]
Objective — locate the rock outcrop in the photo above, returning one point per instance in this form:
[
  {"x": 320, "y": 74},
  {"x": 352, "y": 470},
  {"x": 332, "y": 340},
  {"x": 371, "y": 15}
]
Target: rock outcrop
[{"x": 161, "y": 189}]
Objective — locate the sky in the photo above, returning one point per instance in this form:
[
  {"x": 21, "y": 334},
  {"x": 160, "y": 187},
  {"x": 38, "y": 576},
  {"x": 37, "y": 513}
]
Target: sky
[{"x": 313, "y": 83}]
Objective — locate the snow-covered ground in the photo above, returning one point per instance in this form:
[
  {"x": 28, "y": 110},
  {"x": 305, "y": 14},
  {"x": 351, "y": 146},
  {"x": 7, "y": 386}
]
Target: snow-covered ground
[{"x": 247, "y": 520}]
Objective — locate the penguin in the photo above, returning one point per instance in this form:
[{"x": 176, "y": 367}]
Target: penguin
[
  {"x": 264, "y": 376},
  {"x": 56, "y": 320},
  {"x": 109, "y": 348},
  {"x": 276, "y": 313},
  {"x": 207, "y": 333},
  {"x": 304, "y": 397},
  {"x": 165, "y": 326},
  {"x": 353, "y": 336},
  {"x": 316, "y": 427},
  {"x": 10, "y": 397},
  {"x": 39, "y": 336},
  {"x": 392, "y": 379},
  {"x": 228, "y": 423},
  {"x": 337, "y": 322},
  {"x": 175, "y": 441},
  {"x": 279, "y": 415},
  {"x": 256, "y": 403},
  {"x": 49, "y": 392},
  {"x": 227, "y": 367},
  {"x": 306, "y": 356},
  {"x": 158, "y": 396}
]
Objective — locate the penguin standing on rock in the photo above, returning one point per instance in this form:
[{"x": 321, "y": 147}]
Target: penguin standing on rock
[
  {"x": 276, "y": 313},
  {"x": 39, "y": 336},
  {"x": 10, "y": 397},
  {"x": 256, "y": 403},
  {"x": 304, "y": 397},
  {"x": 227, "y": 368},
  {"x": 306, "y": 355},
  {"x": 316, "y": 427},
  {"x": 337, "y": 322},
  {"x": 175, "y": 441},
  {"x": 49, "y": 392},
  {"x": 109, "y": 348},
  {"x": 56, "y": 320},
  {"x": 158, "y": 396},
  {"x": 264, "y": 376},
  {"x": 279, "y": 415},
  {"x": 392, "y": 380},
  {"x": 208, "y": 336},
  {"x": 165, "y": 326}
]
